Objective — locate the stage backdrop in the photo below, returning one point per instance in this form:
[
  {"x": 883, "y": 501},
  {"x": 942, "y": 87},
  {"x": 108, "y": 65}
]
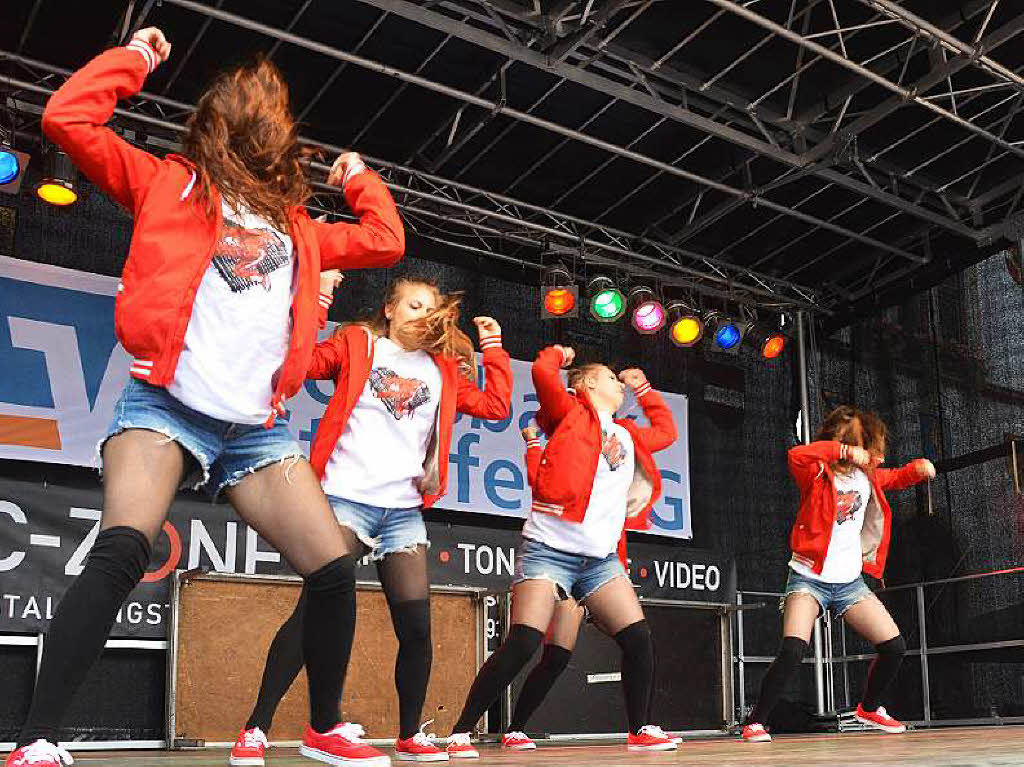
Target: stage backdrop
[{"x": 63, "y": 370}]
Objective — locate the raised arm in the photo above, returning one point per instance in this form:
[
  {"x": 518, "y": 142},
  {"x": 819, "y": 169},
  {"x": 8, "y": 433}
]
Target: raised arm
[
  {"x": 662, "y": 431},
  {"x": 555, "y": 401},
  {"x": 494, "y": 401},
  {"x": 378, "y": 239},
  {"x": 913, "y": 473},
  {"x": 76, "y": 117}
]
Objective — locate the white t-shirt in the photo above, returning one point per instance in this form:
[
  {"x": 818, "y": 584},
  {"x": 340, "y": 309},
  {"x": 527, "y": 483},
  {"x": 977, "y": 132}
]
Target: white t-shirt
[
  {"x": 380, "y": 455},
  {"x": 598, "y": 534},
  {"x": 237, "y": 336},
  {"x": 844, "y": 560}
]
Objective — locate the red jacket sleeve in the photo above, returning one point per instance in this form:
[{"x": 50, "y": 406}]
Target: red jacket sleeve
[
  {"x": 898, "y": 479},
  {"x": 323, "y": 306},
  {"x": 805, "y": 460},
  {"x": 493, "y": 403},
  {"x": 76, "y": 115},
  {"x": 555, "y": 401},
  {"x": 662, "y": 430},
  {"x": 330, "y": 357},
  {"x": 533, "y": 454},
  {"x": 377, "y": 240}
]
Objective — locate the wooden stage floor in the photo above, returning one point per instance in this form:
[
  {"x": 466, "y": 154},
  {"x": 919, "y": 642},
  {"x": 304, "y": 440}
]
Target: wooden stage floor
[{"x": 952, "y": 747}]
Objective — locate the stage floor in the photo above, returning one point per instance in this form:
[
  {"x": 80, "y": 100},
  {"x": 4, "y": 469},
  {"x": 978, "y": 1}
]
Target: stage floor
[{"x": 954, "y": 747}]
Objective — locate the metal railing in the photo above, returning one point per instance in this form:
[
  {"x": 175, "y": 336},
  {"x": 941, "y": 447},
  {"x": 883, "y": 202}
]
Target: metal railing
[{"x": 828, "y": 665}]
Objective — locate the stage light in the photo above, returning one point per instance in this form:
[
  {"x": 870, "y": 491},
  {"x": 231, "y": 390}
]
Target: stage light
[
  {"x": 559, "y": 296},
  {"x": 57, "y": 186},
  {"x": 9, "y": 166},
  {"x": 685, "y": 325},
  {"x": 648, "y": 313},
  {"x": 726, "y": 332},
  {"x": 12, "y": 169},
  {"x": 607, "y": 303},
  {"x": 768, "y": 339}
]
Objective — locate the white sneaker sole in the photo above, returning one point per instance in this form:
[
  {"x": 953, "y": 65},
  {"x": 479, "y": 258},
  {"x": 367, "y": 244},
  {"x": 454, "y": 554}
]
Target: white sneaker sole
[
  {"x": 882, "y": 727},
  {"x": 463, "y": 754},
  {"x": 246, "y": 761},
  {"x": 670, "y": 746},
  {"x": 339, "y": 761},
  {"x": 757, "y": 739},
  {"x": 521, "y": 747},
  {"x": 404, "y": 756}
]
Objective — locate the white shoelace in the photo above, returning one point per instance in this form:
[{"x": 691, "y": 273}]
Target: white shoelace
[
  {"x": 254, "y": 737},
  {"x": 882, "y": 712},
  {"x": 423, "y": 739},
  {"x": 44, "y": 751},
  {"x": 516, "y": 735},
  {"x": 653, "y": 730},
  {"x": 350, "y": 731},
  {"x": 459, "y": 739}
]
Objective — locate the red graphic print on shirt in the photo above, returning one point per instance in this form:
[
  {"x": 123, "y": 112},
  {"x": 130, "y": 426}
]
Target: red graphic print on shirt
[
  {"x": 847, "y": 504},
  {"x": 612, "y": 450},
  {"x": 401, "y": 396},
  {"x": 246, "y": 257}
]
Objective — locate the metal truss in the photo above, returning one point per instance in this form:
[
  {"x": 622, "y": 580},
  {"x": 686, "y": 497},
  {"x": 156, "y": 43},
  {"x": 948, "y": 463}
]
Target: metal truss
[
  {"x": 820, "y": 143},
  {"x": 462, "y": 215}
]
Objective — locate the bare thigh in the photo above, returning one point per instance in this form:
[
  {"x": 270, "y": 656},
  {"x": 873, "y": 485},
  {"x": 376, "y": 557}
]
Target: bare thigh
[
  {"x": 142, "y": 471},
  {"x": 564, "y": 628},
  {"x": 615, "y": 606},
  {"x": 871, "y": 620},
  {"x": 533, "y": 603},
  {"x": 799, "y": 615},
  {"x": 285, "y": 504}
]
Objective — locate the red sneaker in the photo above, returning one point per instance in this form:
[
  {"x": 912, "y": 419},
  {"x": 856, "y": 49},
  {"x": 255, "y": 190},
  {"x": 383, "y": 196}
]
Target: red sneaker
[
  {"x": 342, "y": 746},
  {"x": 880, "y": 719},
  {"x": 248, "y": 749},
  {"x": 650, "y": 738},
  {"x": 460, "y": 747},
  {"x": 517, "y": 741},
  {"x": 418, "y": 748},
  {"x": 756, "y": 733},
  {"x": 41, "y": 753}
]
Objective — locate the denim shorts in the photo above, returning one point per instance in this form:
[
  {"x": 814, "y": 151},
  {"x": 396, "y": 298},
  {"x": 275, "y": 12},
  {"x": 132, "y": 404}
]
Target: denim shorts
[
  {"x": 383, "y": 531},
  {"x": 837, "y": 597},
  {"x": 225, "y": 453},
  {"x": 572, "y": 574}
]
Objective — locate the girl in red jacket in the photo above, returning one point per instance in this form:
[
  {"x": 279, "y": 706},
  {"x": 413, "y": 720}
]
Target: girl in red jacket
[
  {"x": 596, "y": 476},
  {"x": 218, "y": 305},
  {"x": 559, "y": 639},
  {"x": 381, "y": 452},
  {"x": 843, "y": 527}
]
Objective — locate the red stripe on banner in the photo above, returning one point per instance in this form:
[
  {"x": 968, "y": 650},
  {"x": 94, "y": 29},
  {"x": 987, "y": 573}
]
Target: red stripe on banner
[{"x": 25, "y": 431}]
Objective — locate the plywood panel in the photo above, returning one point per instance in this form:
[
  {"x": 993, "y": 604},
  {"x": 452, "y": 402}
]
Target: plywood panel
[{"x": 226, "y": 626}]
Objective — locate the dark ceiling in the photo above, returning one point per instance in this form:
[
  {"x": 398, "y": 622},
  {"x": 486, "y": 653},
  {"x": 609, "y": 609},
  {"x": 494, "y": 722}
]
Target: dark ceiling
[{"x": 825, "y": 154}]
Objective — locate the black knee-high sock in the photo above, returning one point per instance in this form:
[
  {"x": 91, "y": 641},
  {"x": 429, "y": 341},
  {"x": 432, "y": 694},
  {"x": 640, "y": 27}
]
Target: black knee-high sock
[
  {"x": 883, "y": 671},
  {"x": 539, "y": 683},
  {"x": 328, "y": 624},
  {"x": 498, "y": 672},
  {"x": 637, "y": 672},
  {"x": 284, "y": 662},
  {"x": 412, "y": 666},
  {"x": 80, "y": 627},
  {"x": 791, "y": 653}
]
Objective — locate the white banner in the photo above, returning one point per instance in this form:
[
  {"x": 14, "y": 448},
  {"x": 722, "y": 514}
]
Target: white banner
[{"x": 63, "y": 371}]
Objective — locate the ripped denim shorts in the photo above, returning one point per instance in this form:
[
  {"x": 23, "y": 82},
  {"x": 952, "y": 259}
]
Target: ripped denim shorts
[
  {"x": 224, "y": 453},
  {"x": 573, "y": 575},
  {"x": 383, "y": 531}
]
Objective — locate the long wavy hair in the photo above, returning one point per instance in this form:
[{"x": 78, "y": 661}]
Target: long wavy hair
[
  {"x": 851, "y": 426},
  {"x": 244, "y": 143},
  {"x": 437, "y": 332}
]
